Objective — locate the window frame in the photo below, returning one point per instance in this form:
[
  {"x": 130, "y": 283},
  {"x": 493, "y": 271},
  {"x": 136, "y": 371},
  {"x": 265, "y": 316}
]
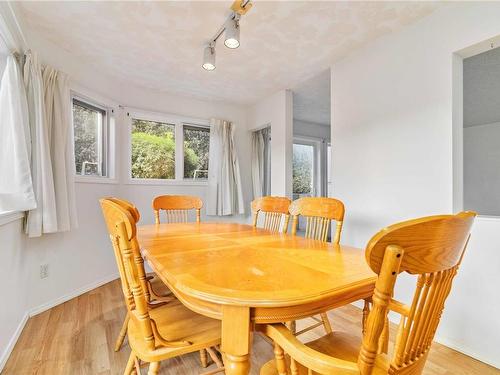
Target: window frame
[
  {"x": 179, "y": 122},
  {"x": 319, "y": 167},
  {"x": 105, "y": 139},
  {"x": 191, "y": 126}
]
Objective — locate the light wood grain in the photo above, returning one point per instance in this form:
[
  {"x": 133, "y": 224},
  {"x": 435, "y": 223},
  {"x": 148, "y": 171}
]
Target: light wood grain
[
  {"x": 176, "y": 207},
  {"x": 213, "y": 266},
  {"x": 430, "y": 247},
  {"x": 155, "y": 332},
  {"x": 274, "y": 211},
  {"x": 77, "y": 337},
  {"x": 319, "y": 212},
  {"x": 154, "y": 290}
]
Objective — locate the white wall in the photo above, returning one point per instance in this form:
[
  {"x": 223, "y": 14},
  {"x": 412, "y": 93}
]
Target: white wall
[
  {"x": 277, "y": 111},
  {"x": 82, "y": 259},
  {"x": 481, "y": 168},
  {"x": 15, "y": 286},
  {"x": 311, "y": 129},
  {"x": 393, "y": 160}
]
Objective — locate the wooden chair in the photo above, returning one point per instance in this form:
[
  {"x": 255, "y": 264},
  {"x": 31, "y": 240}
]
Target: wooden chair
[
  {"x": 275, "y": 212},
  {"x": 319, "y": 212},
  {"x": 154, "y": 289},
  {"x": 159, "y": 333},
  {"x": 176, "y": 207},
  {"x": 430, "y": 248}
]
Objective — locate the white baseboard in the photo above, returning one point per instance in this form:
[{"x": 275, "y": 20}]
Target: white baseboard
[
  {"x": 4, "y": 356},
  {"x": 471, "y": 353},
  {"x": 78, "y": 292}
]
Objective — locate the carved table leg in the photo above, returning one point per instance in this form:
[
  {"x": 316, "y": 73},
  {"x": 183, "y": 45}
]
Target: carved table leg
[{"x": 236, "y": 339}]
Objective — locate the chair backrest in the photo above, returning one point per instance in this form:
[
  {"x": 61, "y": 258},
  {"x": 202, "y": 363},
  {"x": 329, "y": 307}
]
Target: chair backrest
[
  {"x": 432, "y": 248},
  {"x": 112, "y": 209},
  {"x": 275, "y": 211},
  {"x": 124, "y": 233},
  {"x": 176, "y": 207},
  {"x": 319, "y": 212}
]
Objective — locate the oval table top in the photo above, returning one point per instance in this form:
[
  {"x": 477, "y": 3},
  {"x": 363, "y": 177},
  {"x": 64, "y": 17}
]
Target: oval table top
[{"x": 237, "y": 264}]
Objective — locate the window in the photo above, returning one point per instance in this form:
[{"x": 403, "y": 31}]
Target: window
[
  {"x": 303, "y": 170},
  {"x": 168, "y": 148},
  {"x": 196, "y": 143},
  {"x": 90, "y": 123},
  {"x": 153, "y": 150}
]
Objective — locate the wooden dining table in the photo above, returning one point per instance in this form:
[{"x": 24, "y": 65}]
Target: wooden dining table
[{"x": 245, "y": 276}]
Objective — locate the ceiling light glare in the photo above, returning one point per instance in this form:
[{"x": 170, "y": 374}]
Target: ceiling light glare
[
  {"x": 232, "y": 35},
  {"x": 209, "y": 57}
]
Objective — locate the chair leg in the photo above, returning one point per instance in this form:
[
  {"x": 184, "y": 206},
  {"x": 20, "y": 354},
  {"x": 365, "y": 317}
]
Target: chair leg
[
  {"x": 215, "y": 357},
  {"x": 326, "y": 322},
  {"x": 279, "y": 355},
  {"x": 130, "y": 364},
  {"x": 154, "y": 368},
  {"x": 123, "y": 332},
  {"x": 292, "y": 326},
  {"x": 203, "y": 358},
  {"x": 137, "y": 366}
]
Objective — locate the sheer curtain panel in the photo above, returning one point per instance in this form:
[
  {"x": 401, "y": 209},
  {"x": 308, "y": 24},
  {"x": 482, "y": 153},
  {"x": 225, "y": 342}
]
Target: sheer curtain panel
[
  {"x": 16, "y": 189},
  {"x": 257, "y": 163},
  {"x": 225, "y": 196},
  {"x": 260, "y": 162},
  {"x": 48, "y": 99},
  {"x": 58, "y": 119}
]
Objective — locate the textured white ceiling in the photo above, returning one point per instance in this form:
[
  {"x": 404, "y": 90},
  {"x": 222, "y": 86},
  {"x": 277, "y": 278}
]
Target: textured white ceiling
[
  {"x": 311, "y": 99},
  {"x": 158, "y": 45}
]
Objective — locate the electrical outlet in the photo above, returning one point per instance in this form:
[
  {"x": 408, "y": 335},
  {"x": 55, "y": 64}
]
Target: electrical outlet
[{"x": 44, "y": 271}]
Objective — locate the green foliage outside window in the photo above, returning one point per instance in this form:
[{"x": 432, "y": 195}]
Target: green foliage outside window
[
  {"x": 302, "y": 166},
  {"x": 153, "y": 151},
  {"x": 86, "y": 135},
  {"x": 196, "y": 144}
]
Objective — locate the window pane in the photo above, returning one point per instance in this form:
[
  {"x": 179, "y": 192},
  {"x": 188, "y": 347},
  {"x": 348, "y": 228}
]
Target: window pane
[
  {"x": 196, "y": 143},
  {"x": 153, "y": 149},
  {"x": 303, "y": 156},
  {"x": 88, "y": 128}
]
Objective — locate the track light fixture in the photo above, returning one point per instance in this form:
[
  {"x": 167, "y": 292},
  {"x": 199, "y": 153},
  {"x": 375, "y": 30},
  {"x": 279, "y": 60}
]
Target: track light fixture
[
  {"x": 209, "y": 57},
  {"x": 232, "y": 35},
  {"x": 231, "y": 31}
]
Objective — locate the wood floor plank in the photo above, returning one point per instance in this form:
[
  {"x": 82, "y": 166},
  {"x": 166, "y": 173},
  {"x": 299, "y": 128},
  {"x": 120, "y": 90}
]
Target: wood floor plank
[{"x": 78, "y": 337}]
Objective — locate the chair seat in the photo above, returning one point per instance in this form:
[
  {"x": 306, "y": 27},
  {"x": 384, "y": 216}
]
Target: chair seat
[
  {"x": 157, "y": 285},
  {"x": 175, "y": 322},
  {"x": 337, "y": 344}
]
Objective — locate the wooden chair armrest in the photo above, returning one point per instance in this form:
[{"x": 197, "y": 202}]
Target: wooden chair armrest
[
  {"x": 399, "y": 307},
  {"x": 310, "y": 358}
]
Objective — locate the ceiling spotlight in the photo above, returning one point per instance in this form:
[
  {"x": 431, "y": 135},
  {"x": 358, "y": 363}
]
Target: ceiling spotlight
[
  {"x": 232, "y": 35},
  {"x": 231, "y": 31},
  {"x": 209, "y": 57}
]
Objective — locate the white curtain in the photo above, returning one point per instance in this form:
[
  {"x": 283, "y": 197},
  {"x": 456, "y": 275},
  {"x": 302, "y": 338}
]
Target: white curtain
[
  {"x": 257, "y": 163},
  {"x": 261, "y": 162},
  {"x": 225, "y": 196},
  {"x": 51, "y": 164},
  {"x": 58, "y": 119},
  {"x": 16, "y": 188}
]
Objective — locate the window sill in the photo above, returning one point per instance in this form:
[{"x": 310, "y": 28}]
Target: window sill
[
  {"x": 95, "y": 180},
  {"x": 10, "y": 216},
  {"x": 166, "y": 182}
]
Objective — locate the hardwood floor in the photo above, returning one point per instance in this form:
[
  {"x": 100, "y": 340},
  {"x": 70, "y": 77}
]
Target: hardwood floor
[{"x": 78, "y": 337}]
